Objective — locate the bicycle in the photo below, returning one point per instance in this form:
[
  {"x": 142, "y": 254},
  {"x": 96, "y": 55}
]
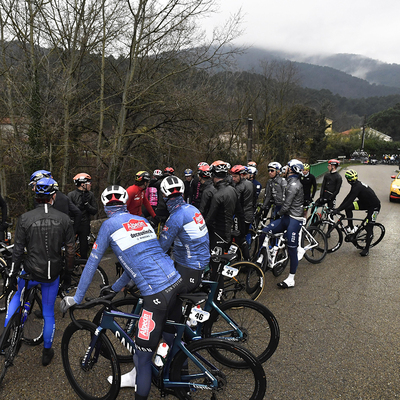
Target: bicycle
[
  {"x": 316, "y": 217},
  {"x": 22, "y": 327},
  {"x": 91, "y": 238},
  {"x": 197, "y": 370},
  {"x": 242, "y": 321},
  {"x": 5, "y": 264},
  {"x": 335, "y": 231}
]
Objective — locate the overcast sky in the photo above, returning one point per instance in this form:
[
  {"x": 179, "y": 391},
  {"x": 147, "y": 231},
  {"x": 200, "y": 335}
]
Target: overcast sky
[{"x": 366, "y": 27}]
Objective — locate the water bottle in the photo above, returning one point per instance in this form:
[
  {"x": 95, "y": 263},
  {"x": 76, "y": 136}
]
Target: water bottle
[
  {"x": 161, "y": 355},
  {"x": 27, "y": 308}
]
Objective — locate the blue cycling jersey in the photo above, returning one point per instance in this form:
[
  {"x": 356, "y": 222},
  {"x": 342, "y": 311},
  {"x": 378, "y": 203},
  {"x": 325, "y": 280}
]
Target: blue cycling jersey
[
  {"x": 135, "y": 244},
  {"x": 187, "y": 229}
]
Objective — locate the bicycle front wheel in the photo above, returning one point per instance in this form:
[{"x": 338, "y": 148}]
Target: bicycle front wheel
[
  {"x": 281, "y": 261},
  {"x": 334, "y": 236},
  {"x": 10, "y": 343},
  {"x": 378, "y": 232},
  {"x": 249, "y": 281},
  {"x": 33, "y": 327},
  {"x": 248, "y": 323},
  {"x": 232, "y": 383},
  {"x": 313, "y": 241},
  {"x": 90, "y": 380},
  {"x": 254, "y": 246}
]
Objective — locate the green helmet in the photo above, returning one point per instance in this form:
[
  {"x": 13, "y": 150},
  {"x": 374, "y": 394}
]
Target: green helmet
[{"x": 351, "y": 175}]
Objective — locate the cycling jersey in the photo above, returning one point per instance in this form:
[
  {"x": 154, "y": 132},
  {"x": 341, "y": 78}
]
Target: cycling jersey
[
  {"x": 207, "y": 192},
  {"x": 330, "y": 186},
  {"x": 309, "y": 187},
  {"x": 294, "y": 198},
  {"x": 186, "y": 228},
  {"x": 364, "y": 193},
  {"x": 275, "y": 191},
  {"x": 256, "y": 192},
  {"x": 245, "y": 195},
  {"x": 137, "y": 198},
  {"x": 135, "y": 244}
]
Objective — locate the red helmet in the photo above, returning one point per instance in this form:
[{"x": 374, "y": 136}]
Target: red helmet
[
  {"x": 204, "y": 171},
  {"x": 238, "y": 169},
  {"x": 169, "y": 170},
  {"x": 82, "y": 178},
  {"x": 334, "y": 162},
  {"x": 252, "y": 164}
]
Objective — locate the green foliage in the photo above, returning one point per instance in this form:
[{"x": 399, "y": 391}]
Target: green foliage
[{"x": 387, "y": 121}]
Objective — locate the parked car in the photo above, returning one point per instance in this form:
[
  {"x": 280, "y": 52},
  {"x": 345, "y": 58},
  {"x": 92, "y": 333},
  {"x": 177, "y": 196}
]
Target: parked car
[{"x": 395, "y": 188}]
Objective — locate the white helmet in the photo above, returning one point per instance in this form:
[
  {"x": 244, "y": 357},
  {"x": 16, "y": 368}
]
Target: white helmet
[
  {"x": 172, "y": 185},
  {"x": 275, "y": 165},
  {"x": 296, "y": 166},
  {"x": 114, "y": 193},
  {"x": 252, "y": 170}
]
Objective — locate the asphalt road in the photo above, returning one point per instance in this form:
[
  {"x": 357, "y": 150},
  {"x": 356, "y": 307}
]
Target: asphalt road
[{"x": 339, "y": 324}]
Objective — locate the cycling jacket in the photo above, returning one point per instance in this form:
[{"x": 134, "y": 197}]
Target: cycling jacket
[
  {"x": 294, "y": 198},
  {"x": 309, "y": 186},
  {"x": 207, "y": 192},
  {"x": 43, "y": 231},
  {"x": 86, "y": 202},
  {"x": 245, "y": 195},
  {"x": 137, "y": 198},
  {"x": 135, "y": 244},
  {"x": 362, "y": 192},
  {"x": 187, "y": 229},
  {"x": 330, "y": 185},
  {"x": 275, "y": 191}
]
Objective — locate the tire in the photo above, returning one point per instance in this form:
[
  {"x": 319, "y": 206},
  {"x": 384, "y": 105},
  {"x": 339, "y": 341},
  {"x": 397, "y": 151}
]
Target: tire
[
  {"x": 317, "y": 254},
  {"x": 5, "y": 298},
  {"x": 10, "y": 342},
  {"x": 334, "y": 237},
  {"x": 248, "y": 283},
  {"x": 33, "y": 327},
  {"x": 235, "y": 249},
  {"x": 259, "y": 326},
  {"x": 126, "y": 305},
  {"x": 90, "y": 383},
  {"x": 313, "y": 220},
  {"x": 281, "y": 261},
  {"x": 378, "y": 232},
  {"x": 254, "y": 245},
  {"x": 233, "y": 383}
]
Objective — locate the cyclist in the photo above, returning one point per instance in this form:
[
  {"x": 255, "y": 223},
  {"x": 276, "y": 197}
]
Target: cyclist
[
  {"x": 244, "y": 214},
  {"x": 207, "y": 189},
  {"x": 42, "y": 231},
  {"x": 222, "y": 208},
  {"x": 152, "y": 190},
  {"x": 62, "y": 202},
  {"x": 291, "y": 217},
  {"x": 330, "y": 185},
  {"x": 4, "y": 225},
  {"x": 309, "y": 186},
  {"x": 257, "y": 185},
  {"x": 190, "y": 185},
  {"x": 274, "y": 189},
  {"x": 137, "y": 195},
  {"x": 84, "y": 199},
  {"x": 135, "y": 244},
  {"x": 366, "y": 200}
]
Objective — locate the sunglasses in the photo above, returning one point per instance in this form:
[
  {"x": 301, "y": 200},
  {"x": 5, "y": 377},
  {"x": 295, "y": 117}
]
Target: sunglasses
[{"x": 272, "y": 170}]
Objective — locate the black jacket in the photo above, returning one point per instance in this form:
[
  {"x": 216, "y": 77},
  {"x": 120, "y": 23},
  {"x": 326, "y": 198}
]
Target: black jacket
[
  {"x": 245, "y": 194},
  {"x": 86, "y": 202},
  {"x": 64, "y": 204},
  {"x": 207, "y": 193},
  {"x": 223, "y": 204},
  {"x": 43, "y": 231},
  {"x": 364, "y": 194},
  {"x": 330, "y": 185}
]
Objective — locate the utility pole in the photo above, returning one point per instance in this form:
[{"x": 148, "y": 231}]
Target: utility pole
[
  {"x": 363, "y": 133},
  {"x": 249, "y": 137}
]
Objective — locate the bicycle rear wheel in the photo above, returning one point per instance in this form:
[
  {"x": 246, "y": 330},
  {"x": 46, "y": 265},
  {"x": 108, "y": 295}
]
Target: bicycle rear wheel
[
  {"x": 10, "y": 343},
  {"x": 233, "y": 383},
  {"x": 90, "y": 382},
  {"x": 257, "y": 323},
  {"x": 34, "y": 324},
  {"x": 313, "y": 241},
  {"x": 281, "y": 261},
  {"x": 254, "y": 246},
  {"x": 249, "y": 282},
  {"x": 378, "y": 232},
  {"x": 334, "y": 236}
]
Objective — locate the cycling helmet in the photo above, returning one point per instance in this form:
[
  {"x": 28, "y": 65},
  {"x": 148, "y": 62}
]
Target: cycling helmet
[
  {"x": 172, "y": 186},
  {"x": 334, "y": 162},
  {"x": 219, "y": 168},
  {"x": 41, "y": 173},
  {"x": 284, "y": 170},
  {"x": 169, "y": 170},
  {"x": 296, "y": 166},
  {"x": 142, "y": 176},
  {"x": 82, "y": 178},
  {"x": 275, "y": 165},
  {"x": 351, "y": 175},
  {"x": 188, "y": 172},
  {"x": 45, "y": 187},
  {"x": 114, "y": 195},
  {"x": 201, "y": 164},
  {"x": 252, "y": 164},
  {"x": 157, "y": 173},
  {"x": 204, "y": 171},
  {"x": 252, "y": 170},
  {"x": 238, "y": 170},
  {"x": 306, "y": 167}
]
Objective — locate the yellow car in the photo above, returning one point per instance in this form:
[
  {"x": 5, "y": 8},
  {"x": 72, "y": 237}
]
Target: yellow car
[{"x": 395, "y": 188}]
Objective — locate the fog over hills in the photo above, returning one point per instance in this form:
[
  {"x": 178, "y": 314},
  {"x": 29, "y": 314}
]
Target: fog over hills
[{"x": 349, "y": 75}]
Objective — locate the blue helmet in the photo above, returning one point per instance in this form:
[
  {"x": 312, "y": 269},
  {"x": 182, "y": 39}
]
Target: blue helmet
[
  {"x": 188, "y": 172},
  {"x": 46, "y": 186},
  {"x": 41, "y": 173}
]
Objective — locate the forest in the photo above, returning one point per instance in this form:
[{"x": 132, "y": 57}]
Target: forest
[{"x": 113, "y": 87}]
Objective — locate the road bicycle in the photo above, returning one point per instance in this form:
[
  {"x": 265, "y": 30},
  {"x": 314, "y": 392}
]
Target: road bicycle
[
  {"x": 22, "y": 327},
  {"x": 243, "y": 321},
  {"x": 5, "y": 264},
  {"x": 316, "y": 217},
  {"x": 198, "y": 370},
  {"x": 336, "y": 231},
  {"x": 91, "y": 238}
]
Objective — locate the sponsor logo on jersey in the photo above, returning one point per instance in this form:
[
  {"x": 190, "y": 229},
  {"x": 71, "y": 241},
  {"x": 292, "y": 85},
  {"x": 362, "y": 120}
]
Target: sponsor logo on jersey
[
  {"x": 146, "y": 325},
  {"x": 165, "y": 228},
  {"x": 94, "y": 246},
  {"x": 198, "y": 218},
  {"x": 134, "y": 225}
]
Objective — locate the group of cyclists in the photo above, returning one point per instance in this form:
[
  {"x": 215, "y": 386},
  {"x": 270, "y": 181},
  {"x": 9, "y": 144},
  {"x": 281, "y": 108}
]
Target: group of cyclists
[{"x": 200, "y": 216}]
